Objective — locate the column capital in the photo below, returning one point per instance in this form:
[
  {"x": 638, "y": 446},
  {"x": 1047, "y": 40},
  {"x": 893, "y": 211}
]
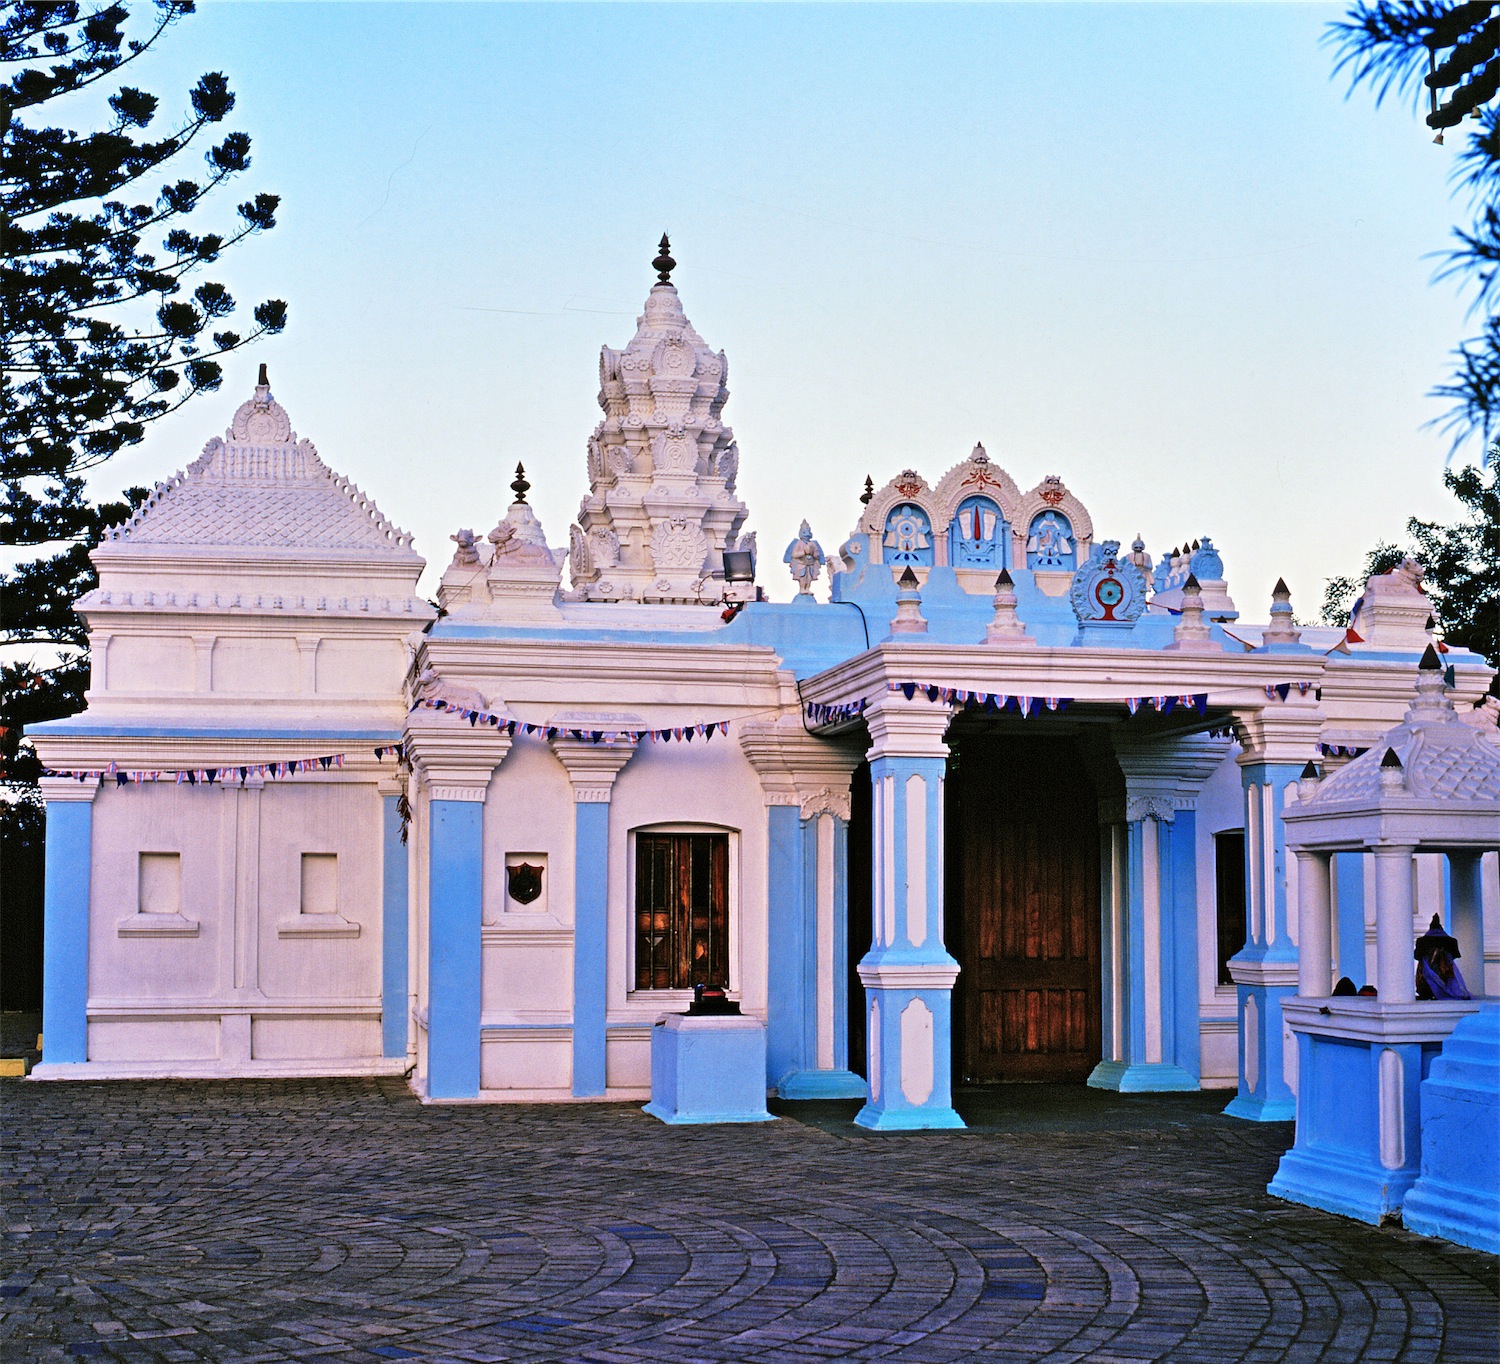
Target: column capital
[
  {"x": 907, "y": 729},
  {"x": 58, "y": 789},
  {"x": 1280, "y": 732},
  {"x": 591, "y": 767},
  {"x": 797, "y": 768},
  {"x": 453, "y": 759},
  {"x": 1163, "y": 776}
]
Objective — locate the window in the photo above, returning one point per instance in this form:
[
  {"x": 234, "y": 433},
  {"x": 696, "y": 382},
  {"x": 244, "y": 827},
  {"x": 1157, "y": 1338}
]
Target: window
[
  {"x": 681, "y": 911},
  {"x": 320, "y": 883},
  {"x": 1229, "y": 896}
]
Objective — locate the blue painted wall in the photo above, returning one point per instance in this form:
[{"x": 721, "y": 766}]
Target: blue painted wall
[
  {"x": 393, "y": 944},
  {"x": 590, "y": 948}
]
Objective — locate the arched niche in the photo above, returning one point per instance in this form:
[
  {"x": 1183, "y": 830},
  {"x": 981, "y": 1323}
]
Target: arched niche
[
  {"x": 1051, "y": 542},
  {"x": 908, "y": 536},
  {"x": 979, "y": 534}
]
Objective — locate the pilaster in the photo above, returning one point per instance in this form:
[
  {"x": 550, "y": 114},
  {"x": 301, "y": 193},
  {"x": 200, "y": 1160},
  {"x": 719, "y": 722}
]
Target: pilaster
[
  {"x": 908, "y": 974},
  {"x": 1150, "y": 916},
  {"x": 395, "y": 1007},
  {"x": 592, "y": 768},
  {"x": 805, "y": 781},
  {"x": 1278, "y": 740},
  {"x": 454, "y": 762},
  {"x": 65, "y": 967}
]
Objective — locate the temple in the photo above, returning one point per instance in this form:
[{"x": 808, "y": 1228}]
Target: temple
[{"x": 1007, "y": 805}]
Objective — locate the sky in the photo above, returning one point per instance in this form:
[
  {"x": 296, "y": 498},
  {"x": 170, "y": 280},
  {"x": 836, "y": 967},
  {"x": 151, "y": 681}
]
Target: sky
[{"x": 1158, "y": 250}]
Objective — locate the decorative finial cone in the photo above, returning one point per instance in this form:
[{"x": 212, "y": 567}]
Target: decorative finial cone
[
  {"x": 519, "y": 485},
  {"x": 263, "y": 381},
  {"x": 1430, "y": 663},
  {"x": 664, "y": 264},
  {"x": 907, "y": 582},
  {"x": 1310, "y": 772},
  {"x": 1003, "y": 579},
  {"x": 869, "y": 493},
  {"x": 1192, "y": 584},
  {"x": 1391, "y": 760},
  {"x": 1281, "y": 589}
]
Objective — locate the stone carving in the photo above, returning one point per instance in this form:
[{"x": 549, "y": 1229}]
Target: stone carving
[
  {"x": 1050, "y": 542},
  {"x": 1052, "y": 490},
  {"x": 806, "y": 557},
  {"x": 729, "y": 466},
  {"x": 824, "y": 801},
  {"x": 603, "y": 547},
  {"x": 746, "y": 545},
  {"x": 578, "y": 552},
  {"x": 466, "y": 555},
  {"x": 261, "y": 420},
  {"x": 618, "y": 461},
  {"x": 678, "y": 543},
  {"x": 1108, "y": 589},
  {"x": 908, "y": 536},
  {"x": 909, "y": 483},
  {"x": 1206, "y": 564},
  {"x": 431, "y": 687}
]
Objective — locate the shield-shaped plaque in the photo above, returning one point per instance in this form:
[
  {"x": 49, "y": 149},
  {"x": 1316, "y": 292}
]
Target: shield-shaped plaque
[{"x": 524, "y": 882}]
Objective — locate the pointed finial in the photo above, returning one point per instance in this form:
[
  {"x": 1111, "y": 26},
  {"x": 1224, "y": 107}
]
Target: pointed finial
[
  {"x": 263, "y": 382},
  {"x": 1310, "y": 772},
  {"x": 1430, "y": 663},
  {"x": 1191, "y": 584},
  {"x": 869, "y": 493},
  {"x": 1004, "y": 579},
  {"x": 520, "y": 486},
  {"x": 664, "y": 264},
  {"x": 1391, "y": 760},
  {"x": 907, "y": 582},
  {"x": 1281, "y": 589}
]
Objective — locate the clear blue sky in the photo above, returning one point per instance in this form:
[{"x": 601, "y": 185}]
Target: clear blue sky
[{"x": 1153, "y": 249}]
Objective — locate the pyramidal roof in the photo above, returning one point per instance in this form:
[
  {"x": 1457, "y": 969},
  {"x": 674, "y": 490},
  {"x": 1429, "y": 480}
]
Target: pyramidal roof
[
  {"x": 260, "y": 487},
  {"x": 1438, "y": 755}
]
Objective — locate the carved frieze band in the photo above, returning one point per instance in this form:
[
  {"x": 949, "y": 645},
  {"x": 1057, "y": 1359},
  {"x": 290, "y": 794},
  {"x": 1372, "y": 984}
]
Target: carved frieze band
[{"x": 469, "y": 793}]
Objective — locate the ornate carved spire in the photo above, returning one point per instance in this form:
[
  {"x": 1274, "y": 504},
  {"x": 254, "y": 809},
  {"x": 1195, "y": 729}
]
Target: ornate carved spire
[
  {"x": 662, "y": 465},
  {"x": 519, "y": 485}
]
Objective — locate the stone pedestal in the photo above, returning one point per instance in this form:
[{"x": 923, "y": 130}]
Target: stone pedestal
[
  {"x": 1457, "y": 1194},
  {"x": 708, "y": 1070},
  {"x": 1359, "y": 1139}
]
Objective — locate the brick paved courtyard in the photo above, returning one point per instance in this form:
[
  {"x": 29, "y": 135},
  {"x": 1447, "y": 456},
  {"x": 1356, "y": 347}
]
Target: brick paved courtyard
[{"x": 342, "y": 1220}]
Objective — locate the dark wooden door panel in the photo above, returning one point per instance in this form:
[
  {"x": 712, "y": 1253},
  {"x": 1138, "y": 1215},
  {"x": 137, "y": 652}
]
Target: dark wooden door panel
[{"x": 1027, "y": 891}]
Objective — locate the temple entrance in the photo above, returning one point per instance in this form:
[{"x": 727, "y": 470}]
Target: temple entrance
[{"x": 1022, "y": 909}]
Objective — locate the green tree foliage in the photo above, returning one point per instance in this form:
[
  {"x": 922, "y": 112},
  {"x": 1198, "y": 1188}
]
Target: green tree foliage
[
  {"x": 1462, "y": 563},
  {"x": 1448, "y": 53},
  {"x": 106, "y": 321}
]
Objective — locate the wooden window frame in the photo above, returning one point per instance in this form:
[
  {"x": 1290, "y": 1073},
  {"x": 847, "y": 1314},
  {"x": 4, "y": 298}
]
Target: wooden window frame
[{"x": 669, "y": 994}]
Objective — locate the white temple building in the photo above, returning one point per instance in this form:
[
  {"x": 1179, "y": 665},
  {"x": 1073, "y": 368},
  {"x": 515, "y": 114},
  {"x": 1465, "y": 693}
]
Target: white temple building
[{"x": 1006, "y": 806}]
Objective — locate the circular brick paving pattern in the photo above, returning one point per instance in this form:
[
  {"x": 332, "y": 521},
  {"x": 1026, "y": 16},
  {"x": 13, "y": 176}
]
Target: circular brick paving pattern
[{"x": 342, "y": 1220}]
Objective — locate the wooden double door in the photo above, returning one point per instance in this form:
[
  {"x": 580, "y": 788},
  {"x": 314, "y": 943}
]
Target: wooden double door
[{"x": 1023, "y": 910}]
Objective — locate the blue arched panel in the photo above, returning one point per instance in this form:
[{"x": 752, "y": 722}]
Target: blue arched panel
[
  {"x": 1050, "y": 542},
  {"x": 908, "y": 536},
  {"x": 979, "y": 535}
]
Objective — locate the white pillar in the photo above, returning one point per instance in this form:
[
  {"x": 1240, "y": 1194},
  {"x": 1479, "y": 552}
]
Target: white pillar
[
  {"x": 1314, "y": 924},
  {"x": 1395, "y": 973},
  {"x": 1466, "y": 917}
]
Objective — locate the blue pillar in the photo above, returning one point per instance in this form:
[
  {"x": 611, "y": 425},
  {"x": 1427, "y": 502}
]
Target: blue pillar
[
  {"x": 790, "y": 984},
  {"x": 807, "y": 882},
  {"x": 590, "y": 946},
  {"x": 455, "y": 914},
  {"x": 1349, "y": 871},
  {"x": 394, "y": 1005},
  {"x": 908, "y": 974},
  {"x": 65, "y": 927},
  {"x": 1265, "y": 969},
  {"x": 1158, "y": 1047}
]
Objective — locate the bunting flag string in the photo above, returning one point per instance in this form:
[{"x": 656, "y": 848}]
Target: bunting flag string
[
  {"x": 510, "y": 725},
  {"x": 1281, "y": 690},
  {"x": 227, "y": 774},
  {"x": 1342, "y": 750},
  {"x": 820, "y": 714},
  {"x": 1029, "y": 705}
]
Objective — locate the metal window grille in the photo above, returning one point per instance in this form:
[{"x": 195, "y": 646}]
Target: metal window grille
[{"x": 681, "y": 911}]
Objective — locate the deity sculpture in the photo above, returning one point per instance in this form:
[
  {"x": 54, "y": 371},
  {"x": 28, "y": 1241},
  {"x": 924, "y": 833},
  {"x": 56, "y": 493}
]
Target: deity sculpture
[
  {"x": 806, "y": 557},
  {"x": 1050, "y": 541}
]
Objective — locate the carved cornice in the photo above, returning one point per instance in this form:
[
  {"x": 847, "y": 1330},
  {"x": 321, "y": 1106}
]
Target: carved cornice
[
  {"x": 450, "y": 755},
  {"x": 592, "y": 768},
  {"x": 797, "y": 768},
  {"x": 56, "y": 790},
  {"x": 906, "y": 729},
  {"x": 1280, "y": 732}
]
